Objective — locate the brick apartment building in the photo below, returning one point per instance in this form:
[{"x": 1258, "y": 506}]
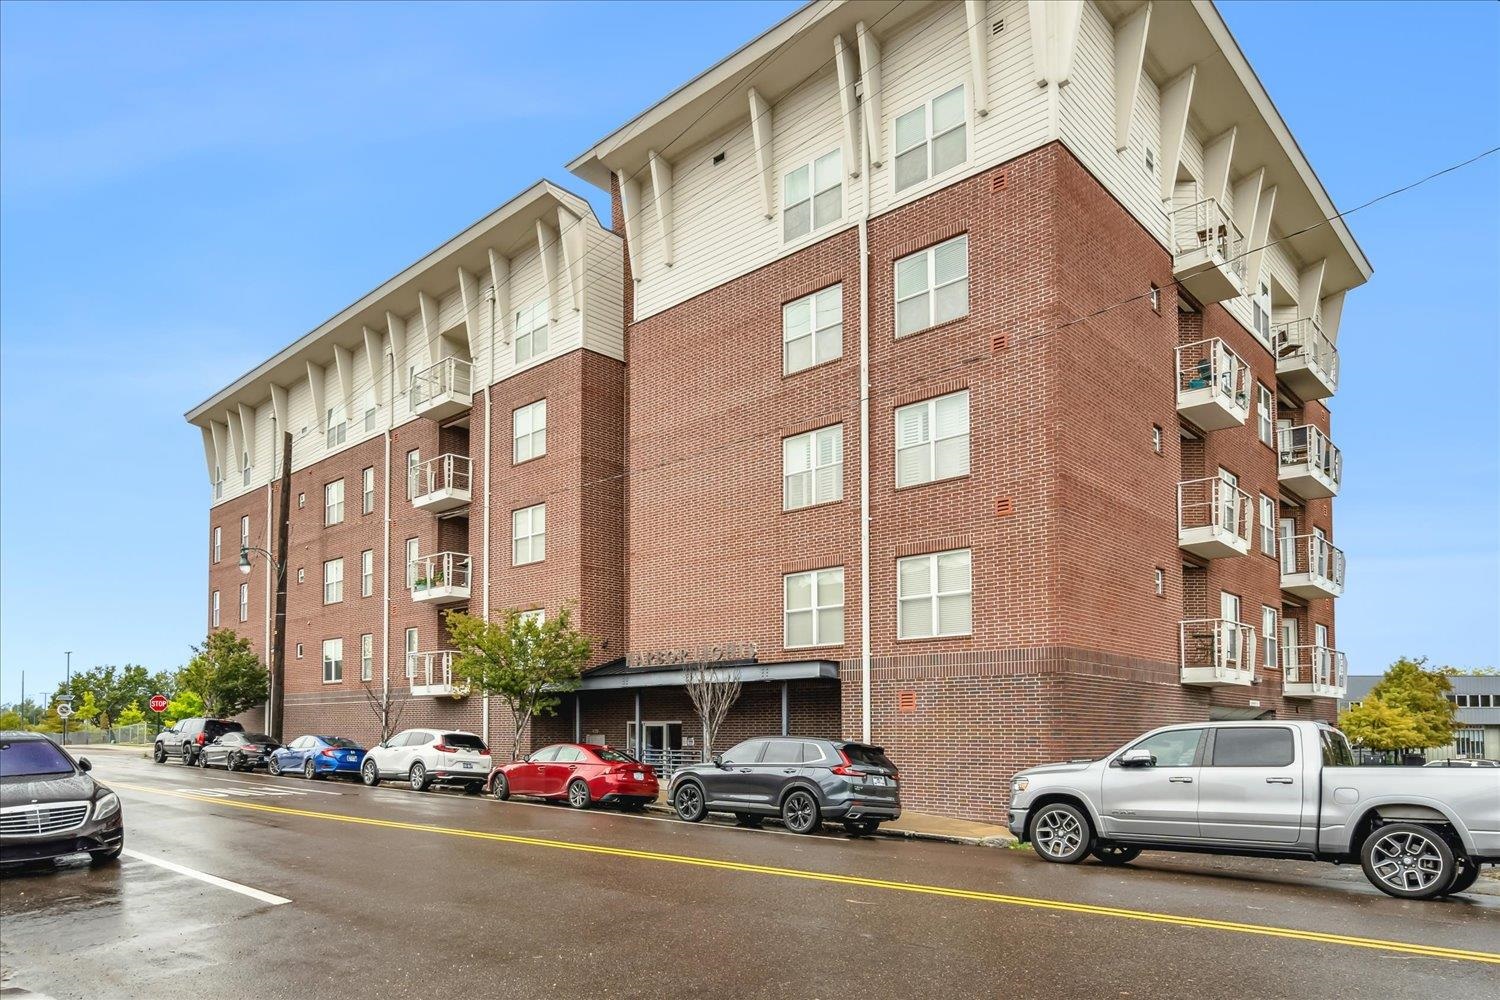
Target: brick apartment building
[{"x": 949, "y": 371}]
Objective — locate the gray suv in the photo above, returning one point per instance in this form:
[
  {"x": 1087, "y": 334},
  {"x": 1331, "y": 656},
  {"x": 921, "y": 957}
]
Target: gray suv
[{"x": 803, "y": 781}]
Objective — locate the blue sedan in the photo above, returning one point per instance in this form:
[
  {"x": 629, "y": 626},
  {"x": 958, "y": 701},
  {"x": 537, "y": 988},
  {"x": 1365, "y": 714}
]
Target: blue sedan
[{"x": 318, "y": 757}]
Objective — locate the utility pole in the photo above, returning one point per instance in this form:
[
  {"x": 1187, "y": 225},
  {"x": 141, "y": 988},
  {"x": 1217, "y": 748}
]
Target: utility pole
[
  {"x": 68, "y": 687},
  {"x": 278, "y": 638}
]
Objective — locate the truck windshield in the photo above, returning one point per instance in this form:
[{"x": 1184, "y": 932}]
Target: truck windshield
[{"x": 1336, "y": 752}]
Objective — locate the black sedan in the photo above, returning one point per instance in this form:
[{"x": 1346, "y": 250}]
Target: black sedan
[
  {"x": 50, "y": 807},
  {"x": 238, "y": 751}
]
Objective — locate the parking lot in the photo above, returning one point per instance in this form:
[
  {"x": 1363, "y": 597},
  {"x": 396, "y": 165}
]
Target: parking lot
[{"x": 248, "y": 885}]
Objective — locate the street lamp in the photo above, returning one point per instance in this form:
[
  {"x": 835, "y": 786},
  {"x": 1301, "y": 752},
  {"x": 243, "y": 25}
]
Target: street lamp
[
  {"x": 278, "y": 642},
  {"x": 245, "y": 551}
]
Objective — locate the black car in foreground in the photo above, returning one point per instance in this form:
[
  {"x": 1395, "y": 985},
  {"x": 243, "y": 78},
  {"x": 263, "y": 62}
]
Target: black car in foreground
[
  {"x": 803, "y": 781},
  {"x": 51, "y": 807},
  {"x": 236, "y": 751}
]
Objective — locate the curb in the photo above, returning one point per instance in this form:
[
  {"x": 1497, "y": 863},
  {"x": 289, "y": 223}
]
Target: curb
[{"x": 1000, "y": 842}]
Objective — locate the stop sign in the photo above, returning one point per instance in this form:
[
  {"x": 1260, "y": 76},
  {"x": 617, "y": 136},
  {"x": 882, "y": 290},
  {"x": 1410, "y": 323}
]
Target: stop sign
[{"x": 158, "y": 703}]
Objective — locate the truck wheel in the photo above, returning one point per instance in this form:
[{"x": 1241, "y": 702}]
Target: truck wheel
[
  {"x": 1061, "y": 833},
  {"x": 159, "y": 755},
  {"x": 1408, "y": 861},
  {"x": 1116, "y": 854},
  {"x": 1468, "y": 874}
]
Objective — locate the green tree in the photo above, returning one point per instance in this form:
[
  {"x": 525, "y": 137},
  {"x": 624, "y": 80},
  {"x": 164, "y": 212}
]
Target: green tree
[
  {"x": 225, "y": 674},
  {"x": 11, "y": 720},
  {"x": 527, "y": 664},
  {"x": 131, "y": 715},
  {"x": 112, "y": 688},
  {"x": 1377, "y": 725},
  {"x": 1428, "y": 715},
  {"x": 186, "y": 705}
]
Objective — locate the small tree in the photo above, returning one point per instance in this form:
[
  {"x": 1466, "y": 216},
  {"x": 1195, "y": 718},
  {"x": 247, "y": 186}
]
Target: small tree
[
  {"x": 131, "y": 716},
  {"x": 1423, "y": 695},
  {"x": 387, "y": 708},
  {"x": 527, "y": 664},
  {"x": 713, "y": 690},
  {"x": 1377, "y": 725},
  {"x": 226, "y": 674},
  {"x": 185, "y": 705}
]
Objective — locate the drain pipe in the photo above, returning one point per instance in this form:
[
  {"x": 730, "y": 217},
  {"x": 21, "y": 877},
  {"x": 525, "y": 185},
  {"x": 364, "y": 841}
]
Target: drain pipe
[
  {"x": 484, "y": 514},
  {"x": 385, "y": 575},
  {"x": 864, "y": 444}
]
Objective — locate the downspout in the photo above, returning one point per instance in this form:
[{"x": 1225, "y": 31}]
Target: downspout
[
  {"x": 270, "y": 568},
  {"x": 385, "y": 576},
  {"x": 484, "y": 514},
  {"x": 864, "y": 444}
]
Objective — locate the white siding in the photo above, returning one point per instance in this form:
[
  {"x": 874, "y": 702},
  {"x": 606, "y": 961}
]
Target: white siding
[{"x": 603, "y": 324}]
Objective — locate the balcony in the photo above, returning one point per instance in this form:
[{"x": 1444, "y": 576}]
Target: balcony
[
  {"x": 440, "y": 579},
  {"x": 1213, "y": 385},
  {"x": 431, "y": 675},
  {"x": 1314, "y": 672},
  {"x": 441, "y": 484},
  {"x": 1311, "y": 567},
  {"x": 1308, "y": 463},
  {"x": 1207, "y": 252},
  {"x": 1306, "y": 361},
  {"x": 443, "y": 391},
  {"x": 1217, "y": 652},
  {"x": 1215, "y": 519}
]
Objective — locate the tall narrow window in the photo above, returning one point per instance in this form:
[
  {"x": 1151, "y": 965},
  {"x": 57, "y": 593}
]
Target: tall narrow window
[
  {"x": 370, "y": 410},
  {"x": 930, "y": 139},
  {"x": 932, "y": 286},
  {"x": 1267, "y": 525},
  {"x": 932, "y": 439},
  {"x": 813, "y": 608},
  {"x": 367, "y": 573},
  {"x": 411, "y": 563},
  {"x": 1265, "y": 415},
  {"x": 529, "y": 535},
  {"x": 413, "y": 466},
  {"x": 367, "y": 490},
  {"x": 333, "y": 502},
  {"x": 218, "y": 543},
  {"x": 367, "y": 657},
  {"x": 333, "y": 581},
  {"x": 812, "y": 196},
  {"x": 244, "y": 602},
  {"x": 338, "y": 430},
  {"x": 411, "y": 653},
  {"x": 531, "y": 332},
  {"x": 1269, "y": 657},
  {"x": 213, "y": 610},
  {"x": 245, "y": 532},
  {"x": 529, "y": 432},
  {"x": 812, "y": 468},
  {"x": 333, "y": 661},
  {"x": 812, "y": 329},
  {"x": 1260, "y": 308},
  {"x": 934, "y": 595}
]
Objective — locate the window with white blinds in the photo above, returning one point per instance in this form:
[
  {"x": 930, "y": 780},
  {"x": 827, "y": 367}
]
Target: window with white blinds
[
  {"x": 813, "y": 605},
  {"x": 333, "y": 581},
  {"x": 932, "y": 439},
  {"x": 812, "y": 468},
  {"x": 529, "y": 432},
  {"x": 529, "y": 535},
  {"x": 333, "y": 661},
  {"x": 244, "y": 602},
  {"x": 812, "y": 330},
  {"x": 367, "y": 657},
  {"x": 812, "y": 196},
  {"x": 531, "y": 331},
  {"x": 1269, "y": 633},
  {"x": 934, "y": 595},
  {"x": 1267, "y": 525},
  {"x": 411, "y": 652},
  {"x": 931, "y": 139},
  {"x": 367, "y": 490},
  {"x": 333, "y": 502},
  {"x": 367, "y": 573},
  {"x": 932, "y": 286}
]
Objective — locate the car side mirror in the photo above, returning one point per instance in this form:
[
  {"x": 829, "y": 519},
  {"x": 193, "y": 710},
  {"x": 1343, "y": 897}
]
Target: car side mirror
[
  {"x": 1137, "y": 758},
  {"x": 718, "y": 760},
  {"x": 84, "y": 765}
]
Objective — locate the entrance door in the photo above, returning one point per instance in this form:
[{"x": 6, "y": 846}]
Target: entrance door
[
  {"x": 1318, "y": 557},
  {"x": 1288, "y": 531},
  {"x": 1229, "y": 501},
  {"x": 1289, "y": 651},
  {"x": 1229, "y": 635},
  {"x": 660, "y": 743}
]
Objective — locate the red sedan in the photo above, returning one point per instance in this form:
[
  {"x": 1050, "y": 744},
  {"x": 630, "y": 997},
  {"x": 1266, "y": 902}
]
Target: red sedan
[{"x": 581, "y": 773}]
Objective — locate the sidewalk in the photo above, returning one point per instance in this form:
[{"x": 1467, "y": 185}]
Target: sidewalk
[{"x": 911, "y": 826}]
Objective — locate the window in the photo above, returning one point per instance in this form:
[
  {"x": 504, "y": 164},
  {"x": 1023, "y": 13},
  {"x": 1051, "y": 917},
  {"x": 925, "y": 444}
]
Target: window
[
  {"x": 1161, "y": 582},
  {"x": 529, "y": 432},
  {"x": 812, "y": 330},
  {"x": 367, "y": 490},
  {"x": 244, "y": 602},
  {"x": 813, "y": 608},
  {"x": 1150, "y": 160},
  {"x": 370, "y": 410},
  {"x": 1155, "y": 298},
  {"x": 411, "y": 563},
  {"x": 1267, "y": 526},
  {"x": 932, "y": 439},
  {"x": 367, "y": 573},
  {"x": 333, "y": 502},
  {"x": 218, "y": 543},
  {"x": 245, "y": 532},
  {"x": 783, "y": 752},
  {"x": 301, "y": 500},
  {"x": 537, "y": 615},
  {"x": 413, "y": 465},
  {"x": 932, "y": 286},
  {"x": 333, "y": 581},
  {"x": 411, "y": 653},
  {"x": 337, "y": 431},
  {"x": 747, "y": 752},
  {"x": 333, "y": 661},
  {"x": 1174, "y": 748},
  {"x": 1336, "y": 752},
  {"x": 531, "y": 332},
  {"x": 1265, "y": 415},
  {"x": 1260, "y": 313},
  {"x": 245, "y": 469},
  {"x": 299, "y": 650},
  {"x": 366, "y": 657},
  {"x": 934, "y": 595},
  {"x": 1156, "y": 442},
  {"x": 812, "y": 196},
  {"x": 529, "y": 535},
  {"x": 1252, "y": 746},
  {"x": 300, "y": 576},
  {"x": 930, "y": 139},
  {"x": 213, "y": 614},
  {"x": 1269, "y": 632},
  {"x": 812, "y": 468}
]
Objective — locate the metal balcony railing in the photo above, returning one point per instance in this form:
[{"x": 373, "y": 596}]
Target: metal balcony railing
[
  {"x": 1203, "y": 227},
  {"x": 1301, "y": 346},
  {"x": 1217, "y": 651},
  {"x": 1305, "y": 451},
  {"x": 1312, "y": 561},
  {"x": 451, "y": 379},
  {"x": 431, "y": 672},
  {"x": 1216, "y": 504},
  {"x": 447, "y": 474},
  {"x": 440, "y": 570},
  {"x": 1213, "y": 384},
  {"x": 1317, "y": 671}
]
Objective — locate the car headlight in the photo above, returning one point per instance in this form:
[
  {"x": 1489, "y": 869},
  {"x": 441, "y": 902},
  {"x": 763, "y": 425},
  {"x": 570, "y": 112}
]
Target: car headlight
[
  {"x": 106, "y": 805},
  {"x": 1019, "y": 785}
]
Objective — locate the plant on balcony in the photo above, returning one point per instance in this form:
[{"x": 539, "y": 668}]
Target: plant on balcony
[{"x": 420, "y": 583}]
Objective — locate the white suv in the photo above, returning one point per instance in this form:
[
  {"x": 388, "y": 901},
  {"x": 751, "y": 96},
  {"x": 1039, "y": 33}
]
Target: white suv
[{"x": 426, "y": 757}]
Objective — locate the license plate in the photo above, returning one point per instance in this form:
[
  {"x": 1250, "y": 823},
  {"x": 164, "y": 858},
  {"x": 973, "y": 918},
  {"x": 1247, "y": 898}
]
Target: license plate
[
  {"x": 640, "y": 776},
  {"x": 467, "y": 766},
  {"x": 875, "y": 779}
]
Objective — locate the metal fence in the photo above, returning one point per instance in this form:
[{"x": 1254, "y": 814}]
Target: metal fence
[
  {"x": 140, "y": 733},
  {"x": 669, "y": 762}
]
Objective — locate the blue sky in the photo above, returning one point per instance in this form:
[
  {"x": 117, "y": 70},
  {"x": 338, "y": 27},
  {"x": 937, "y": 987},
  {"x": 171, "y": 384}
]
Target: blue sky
[{"x": 185, "y": 189}]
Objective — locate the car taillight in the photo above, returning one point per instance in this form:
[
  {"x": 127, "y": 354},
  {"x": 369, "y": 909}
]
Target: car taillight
[
  {"x": 846, "y": 769},
  {"x": 443, "y": 748},
  {"x": 330, "y": 753},
  {"x": 251, "y": 748},
  {"x": 200, "y": 739}
]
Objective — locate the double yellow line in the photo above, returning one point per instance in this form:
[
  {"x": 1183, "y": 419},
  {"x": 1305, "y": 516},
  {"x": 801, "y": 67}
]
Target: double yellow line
[{"x": 1088, "y": 909}]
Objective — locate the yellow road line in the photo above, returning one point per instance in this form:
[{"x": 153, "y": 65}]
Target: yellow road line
[{"x": 1089, "y": 909}]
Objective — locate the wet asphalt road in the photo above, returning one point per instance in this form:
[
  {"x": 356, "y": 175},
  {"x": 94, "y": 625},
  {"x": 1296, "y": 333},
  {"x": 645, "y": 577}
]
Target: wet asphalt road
[{"x": 449, "y": 896}]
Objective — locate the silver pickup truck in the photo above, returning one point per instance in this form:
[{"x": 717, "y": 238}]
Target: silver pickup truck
[{"x": 1265, "y": 789}]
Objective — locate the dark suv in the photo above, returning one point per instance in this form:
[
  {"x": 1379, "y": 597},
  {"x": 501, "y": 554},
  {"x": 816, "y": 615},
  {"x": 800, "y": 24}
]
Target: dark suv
[
  {"x": 804, "y": 781},
  {"x": 188, "y": 737}
]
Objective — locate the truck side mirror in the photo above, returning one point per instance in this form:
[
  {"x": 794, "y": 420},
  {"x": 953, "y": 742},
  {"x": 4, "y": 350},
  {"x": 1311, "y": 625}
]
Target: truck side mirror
[{"x": 1137, "y": 758}]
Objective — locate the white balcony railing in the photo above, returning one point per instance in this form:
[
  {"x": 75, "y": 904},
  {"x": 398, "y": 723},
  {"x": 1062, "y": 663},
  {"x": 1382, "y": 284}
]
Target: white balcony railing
[
  {"x": 1308, "y": 463},
  {"x": 1215, "y": 519},
  {"x": 441, "y": 578},
  {"x": 1213, "y": 385},
  {"x": 1306, "y": 360},
  {"x": 1311, "y": 567},
  {"x": 1217, "y": 651},
  {"x": 441, "y": 484},
  {"x": 444, "y": 390},
  {"x": 1314, "y": 672},
  {"x": 431, "y": 673},
  {"x": 1207, "y": 251}
]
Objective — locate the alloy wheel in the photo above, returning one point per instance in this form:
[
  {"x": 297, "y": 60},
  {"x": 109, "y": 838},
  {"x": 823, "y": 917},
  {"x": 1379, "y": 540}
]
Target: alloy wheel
[
  {"x": 1407, "y": 860},
  {"x": 689, "y": 803},
  {"x": 272, "y": 767},
  {"x": 578, "y": 795},
  {"x": 1058, "y": 833},
  {"x": 308, "y": 771},
  {"x": 800, "y": 812}
]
